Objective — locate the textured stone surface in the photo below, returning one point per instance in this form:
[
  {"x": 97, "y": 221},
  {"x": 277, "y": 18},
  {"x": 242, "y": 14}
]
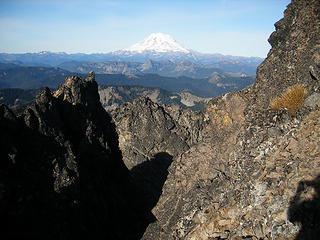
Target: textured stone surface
[
  {"x": 146, "y": 128},
  {"x": 255, "y": 173}
]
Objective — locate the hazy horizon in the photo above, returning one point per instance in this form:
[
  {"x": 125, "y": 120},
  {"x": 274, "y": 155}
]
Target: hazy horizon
[{"x": 229, "y": 27}]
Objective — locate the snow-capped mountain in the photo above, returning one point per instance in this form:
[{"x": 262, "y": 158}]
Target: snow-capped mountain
[
  {"x": 162, "y": 47},
  {"x": 156, "y": 47},
  {"x": 157, "y": 42}
]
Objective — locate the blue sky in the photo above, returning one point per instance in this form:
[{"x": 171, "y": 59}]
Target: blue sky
[{"x": 233, "y": 27}]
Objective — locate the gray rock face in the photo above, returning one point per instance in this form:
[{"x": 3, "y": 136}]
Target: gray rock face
[
  {"x": 150, "y": 138},
  {"x": 146, "y": 128},
  {"x": 255, "y": 173}
]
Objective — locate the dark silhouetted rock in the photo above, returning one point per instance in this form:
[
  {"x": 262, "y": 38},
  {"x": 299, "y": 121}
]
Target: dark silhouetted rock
[{"x": 62, "y": 174}]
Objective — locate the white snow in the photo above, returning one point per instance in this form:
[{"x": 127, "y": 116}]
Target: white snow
[{"x": 157, "y": 42}]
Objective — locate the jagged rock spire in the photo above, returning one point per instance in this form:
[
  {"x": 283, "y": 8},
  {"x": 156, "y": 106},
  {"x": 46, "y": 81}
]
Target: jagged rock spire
[
  {"x": 90, "y": 77},
  {"x": 78, "y": 91}
]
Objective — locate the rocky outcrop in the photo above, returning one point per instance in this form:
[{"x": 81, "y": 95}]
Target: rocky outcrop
[
  {"x": 255, "y": 175},
  {"x": 62, "y": 175},
  {"x": 151, "y": 136},
  {"x": 294, "y": 57},
  {"x": 146, "y": 128}
]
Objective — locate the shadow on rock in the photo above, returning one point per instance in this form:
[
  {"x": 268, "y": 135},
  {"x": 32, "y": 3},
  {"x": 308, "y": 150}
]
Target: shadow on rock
[
  {"x": 150, "y": 177},
  {"x": 305, "y": 209},
  {"x": 62, "y": 174}
]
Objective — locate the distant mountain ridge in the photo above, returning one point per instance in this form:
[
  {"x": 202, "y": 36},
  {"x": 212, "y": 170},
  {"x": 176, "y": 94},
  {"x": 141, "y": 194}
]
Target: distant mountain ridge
[
  {"x": 112, "y": 97},
  {"x": 156, "y": 47},
  {"x": 159, "y": 47},
  {"x": 31, "y": 77},
  {"x": 36, "y": 77},
  {"x": 54, "y": 59},
  {"x": 164, "y": 68}
]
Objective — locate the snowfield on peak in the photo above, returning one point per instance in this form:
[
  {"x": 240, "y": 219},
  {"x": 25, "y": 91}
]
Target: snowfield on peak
[{"x": 157, "y": 42}]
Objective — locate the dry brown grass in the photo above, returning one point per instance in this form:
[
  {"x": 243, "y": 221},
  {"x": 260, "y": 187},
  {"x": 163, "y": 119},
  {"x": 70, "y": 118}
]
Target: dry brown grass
[{"x": 292, "y": 99}]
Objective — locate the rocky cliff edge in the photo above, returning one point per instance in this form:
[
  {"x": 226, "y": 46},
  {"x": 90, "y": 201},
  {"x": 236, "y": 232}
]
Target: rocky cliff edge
[{"x": 256, "y": 173}]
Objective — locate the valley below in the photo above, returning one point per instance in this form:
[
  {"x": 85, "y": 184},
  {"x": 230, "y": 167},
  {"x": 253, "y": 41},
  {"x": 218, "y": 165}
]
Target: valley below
[{"x": 172, "y": 85}]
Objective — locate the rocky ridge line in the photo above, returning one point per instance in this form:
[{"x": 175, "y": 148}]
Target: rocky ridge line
[{"x": 255, "y": 175}]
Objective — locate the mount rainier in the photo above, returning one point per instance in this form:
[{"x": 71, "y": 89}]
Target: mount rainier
[
  {"x": 160, "y": 46},
  {"x": 157, "y": 46},
  {"x": 157, "y": 42}
]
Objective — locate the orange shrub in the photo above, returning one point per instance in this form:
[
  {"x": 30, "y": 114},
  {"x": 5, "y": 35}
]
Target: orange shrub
[{"x": 292, "y": 99}]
